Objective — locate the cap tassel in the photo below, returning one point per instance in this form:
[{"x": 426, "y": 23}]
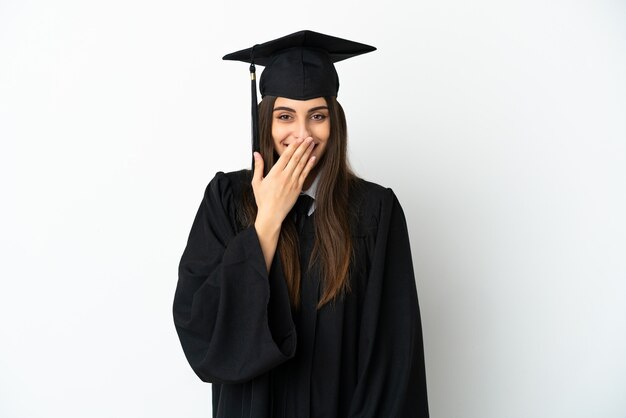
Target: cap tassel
[{"x": 255, "y": 108}]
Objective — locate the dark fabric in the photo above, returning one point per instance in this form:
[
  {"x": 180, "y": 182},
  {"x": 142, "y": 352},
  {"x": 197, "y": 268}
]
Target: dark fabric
[
  {"x": 301, "y": 209},
  {"x": 360, "y": 356},
  {"x": 300, "y": 65}
]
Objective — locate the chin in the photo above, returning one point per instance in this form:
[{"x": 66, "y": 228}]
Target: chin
[
  {"x": 319, "y": 155},
  {"x": 320, "y": 159}
]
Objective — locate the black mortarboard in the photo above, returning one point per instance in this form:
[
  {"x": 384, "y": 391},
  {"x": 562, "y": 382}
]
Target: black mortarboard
[{"x": 297, "y": 66}]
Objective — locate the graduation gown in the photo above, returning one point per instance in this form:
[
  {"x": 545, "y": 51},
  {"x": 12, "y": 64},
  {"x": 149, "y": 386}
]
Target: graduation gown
[{"x": 359, "y": 356}]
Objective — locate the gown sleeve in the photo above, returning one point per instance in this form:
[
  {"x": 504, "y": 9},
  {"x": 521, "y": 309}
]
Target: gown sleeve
[
  {"x": 391, "y": 379},
  {"x": 232, "y": 317}
]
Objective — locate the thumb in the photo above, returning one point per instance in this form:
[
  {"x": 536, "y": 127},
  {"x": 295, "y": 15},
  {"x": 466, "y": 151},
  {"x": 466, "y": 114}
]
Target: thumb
[{"x": 258, "y": 168}]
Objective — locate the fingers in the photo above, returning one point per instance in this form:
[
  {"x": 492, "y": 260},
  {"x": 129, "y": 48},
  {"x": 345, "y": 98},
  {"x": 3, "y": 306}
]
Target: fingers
[
  {"x": 304, "y": 160},
  {"x": 287, "y": 154},
  {"x": 307, "y": 169},
  {"x": 258, "y": 168},
  {"x": 298, "y": 156}
]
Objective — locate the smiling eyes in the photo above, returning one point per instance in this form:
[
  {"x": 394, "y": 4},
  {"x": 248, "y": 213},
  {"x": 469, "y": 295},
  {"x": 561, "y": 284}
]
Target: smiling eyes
[{"x": 318, "y": 117}]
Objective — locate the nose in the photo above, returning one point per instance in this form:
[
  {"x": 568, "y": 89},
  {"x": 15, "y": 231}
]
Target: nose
[{"x": 302, "y": 129}]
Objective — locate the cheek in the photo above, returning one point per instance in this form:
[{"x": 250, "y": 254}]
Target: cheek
[
  {"x": 277, "y": 136},
  {"x": 277, "y": 146},
  {"x": 322, "y": 132}
]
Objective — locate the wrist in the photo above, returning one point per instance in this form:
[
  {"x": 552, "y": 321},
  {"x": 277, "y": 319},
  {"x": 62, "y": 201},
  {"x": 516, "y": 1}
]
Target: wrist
[{"x": 267, "y": 227}]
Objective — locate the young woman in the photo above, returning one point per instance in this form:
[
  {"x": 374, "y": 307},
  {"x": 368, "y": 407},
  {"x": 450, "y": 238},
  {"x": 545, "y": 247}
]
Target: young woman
[{"x": 296, "y": 295}]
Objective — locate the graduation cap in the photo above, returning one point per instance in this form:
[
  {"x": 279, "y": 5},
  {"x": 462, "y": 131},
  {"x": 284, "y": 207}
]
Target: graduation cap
[{"x": 299, "y": 66}]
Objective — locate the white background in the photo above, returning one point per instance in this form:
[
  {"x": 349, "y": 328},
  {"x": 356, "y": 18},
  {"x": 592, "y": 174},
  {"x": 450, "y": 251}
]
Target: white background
[{"x": 501, "y": 126}]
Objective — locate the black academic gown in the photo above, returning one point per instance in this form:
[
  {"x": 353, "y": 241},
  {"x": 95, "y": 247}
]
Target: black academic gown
[{"x": 360, "y": 356}]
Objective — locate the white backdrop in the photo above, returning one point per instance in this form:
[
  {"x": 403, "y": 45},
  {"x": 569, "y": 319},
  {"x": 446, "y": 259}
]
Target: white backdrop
[{"x": 501, "y": 126}]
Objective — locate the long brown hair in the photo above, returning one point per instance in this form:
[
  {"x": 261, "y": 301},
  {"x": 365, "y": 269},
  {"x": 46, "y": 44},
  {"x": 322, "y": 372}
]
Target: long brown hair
[{"x": 333, "y": 244}]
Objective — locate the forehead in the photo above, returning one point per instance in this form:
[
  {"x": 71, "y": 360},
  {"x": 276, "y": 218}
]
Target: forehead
[{"x": 298, "y": 105}]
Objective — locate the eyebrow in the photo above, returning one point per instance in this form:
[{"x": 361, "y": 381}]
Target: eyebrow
[{"x": 288, "y": 109}]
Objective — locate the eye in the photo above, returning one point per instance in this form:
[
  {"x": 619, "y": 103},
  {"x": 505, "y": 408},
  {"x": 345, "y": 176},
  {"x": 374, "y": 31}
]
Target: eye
[
  {"x": 284, "y": 116},
  {"x": 318, "y": 116}
]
